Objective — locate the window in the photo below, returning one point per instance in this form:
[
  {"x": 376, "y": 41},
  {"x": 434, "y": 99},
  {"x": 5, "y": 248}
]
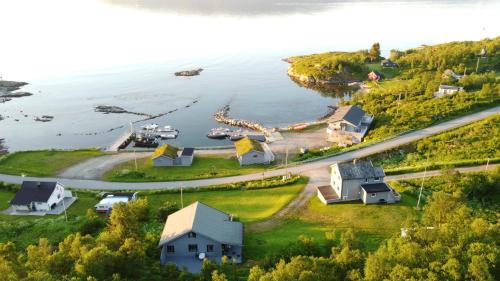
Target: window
[
  {"x": 373, "y": 195},
  {"x": 377, "y": 179},
  {"x": 255, "y": 156},
  {"x": 193, "y": 247},
  {"x": 210, "y": 248},
  {"x": 192, "y": 235},
  {"x": 366, "y": 180},
  {"x": 170, "y": 249}
]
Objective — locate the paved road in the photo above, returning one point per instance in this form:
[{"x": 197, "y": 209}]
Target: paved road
[
  {"x": 434, "y": 173},
  {"x": 299, "y": 169}
]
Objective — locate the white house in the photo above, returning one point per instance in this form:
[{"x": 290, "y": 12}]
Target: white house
[
  {"x": 110, "y": 198},
  {"x": 250, "y": 151},
  {"x": 348, "y": 125},
  {"x": 38, "y": 196},
  {"x": 447, "y": 90},
  {"x": 358, "y": 180}
]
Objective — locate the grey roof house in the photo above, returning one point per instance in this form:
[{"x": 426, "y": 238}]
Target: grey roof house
[
  {"x": 199, "y": 232},
  {"x": 358, "y": 180},
  {"x": 169, "y": 155},
  {"x": 348, "y": 125},
  {"x": 38, "y": 196}
]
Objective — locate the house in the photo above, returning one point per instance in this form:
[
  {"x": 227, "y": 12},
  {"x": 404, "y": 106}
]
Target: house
[
  {"x": 447, "y": 90},
  {"x": 250, "y": 151},
  {"x": 450, "y": 73},
  {"x": 374, "y": 76},
  {"x": 110, "y": 198},
  {"x": 357, "y": 180},
  {"x": 38, "y": 196},
  {"x": 388, "y": 63},
  {"x": 348, "y": 125},
  {"x": 168, "y": 155},
  {"x": 199, "y": 232}
]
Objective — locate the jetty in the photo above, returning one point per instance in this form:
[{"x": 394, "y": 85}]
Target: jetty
[
  {"x": 122, "y": 142},
  {"x": 222, "y": 116}
]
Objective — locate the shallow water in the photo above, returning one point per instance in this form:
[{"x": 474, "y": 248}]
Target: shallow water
[{"x": 79, "y": 54}]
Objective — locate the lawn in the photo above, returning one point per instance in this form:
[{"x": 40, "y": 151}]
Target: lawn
[
  {"x": 372, "y": 223},
  {"x": 44, "y": 163},
  {"x": 248, "y": 205},
  {"x": 207, "y": 166}
]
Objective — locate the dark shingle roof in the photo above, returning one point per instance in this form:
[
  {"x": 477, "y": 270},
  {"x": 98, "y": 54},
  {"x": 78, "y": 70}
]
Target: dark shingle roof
[
  {"x": 352, "y": 114},
  {"x": 187, "y": 151},
  {"x": 33, "y": 191},
  {"x": 375, "y": 187},
  {"x": 360, "y": 170}
]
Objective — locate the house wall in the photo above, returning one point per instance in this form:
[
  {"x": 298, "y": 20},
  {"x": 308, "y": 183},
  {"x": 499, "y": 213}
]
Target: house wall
[
  {"x": 56, "y": 197},
  {"x": 253, "y": 157},
  {"x": 163, "y": 161},
  {"x": 182, "y": 243},
  {"x": 368, "y": 199},
  {"x": 20, "y": 207},
  {"x": 185, "y": 160},
  {"x": 348, "y": 189}
]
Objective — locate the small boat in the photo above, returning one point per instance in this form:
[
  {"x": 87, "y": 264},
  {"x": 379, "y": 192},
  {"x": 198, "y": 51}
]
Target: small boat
[
  {"x": 300, "y": 127},
  {"x": 150, "y": 127},
  {"x": 219, "y": 133},
  {"x": 167, "y": 129},
  {"x": 236, "y": 137},
  {"x": 167, "y": 136}
]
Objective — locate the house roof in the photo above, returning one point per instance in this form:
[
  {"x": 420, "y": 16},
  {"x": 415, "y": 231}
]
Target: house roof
[
  {"x": 166, "y": 150},
  {"x": 352, "y": 114},
  {"x": 33, "y": 191},
  {"x": 203, "y": 220},
  {"x": 359, "y": 170},
  {"x": 449, "y": 87},
  {"x": 246, "y": 145},
  {"x": 188, "y": 151},
  {"x": 129, "y": 195},
  {"x": 375, "y": 187}
]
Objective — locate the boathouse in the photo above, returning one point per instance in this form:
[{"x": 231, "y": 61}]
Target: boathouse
[
  {"x": 250, "y": 151},
  {"x": 168, "y": 155}
]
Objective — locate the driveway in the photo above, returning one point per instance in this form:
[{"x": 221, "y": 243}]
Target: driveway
[{"x": 298, "y": 169}]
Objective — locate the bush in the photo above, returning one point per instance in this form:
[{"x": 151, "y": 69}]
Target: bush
[{"x": 166, "y": 209}]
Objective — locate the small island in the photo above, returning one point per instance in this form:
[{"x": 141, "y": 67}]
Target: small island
[
  {"x": 193, "y": 72},
  {"x": 8, "y": 90}
]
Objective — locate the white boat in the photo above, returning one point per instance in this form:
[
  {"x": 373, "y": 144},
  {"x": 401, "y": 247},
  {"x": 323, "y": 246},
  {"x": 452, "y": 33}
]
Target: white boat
[
  {"x": 150, "y": 127},
  {"x": 168, "y": 135},
  {"x": 167, "y": 129}
]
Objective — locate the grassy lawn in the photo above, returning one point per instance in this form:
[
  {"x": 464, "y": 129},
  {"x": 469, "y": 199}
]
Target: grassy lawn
[
  {"x": 248, "y": 205},
  {"x": 43, "y": 162},
  {"x": 386, "y": 72},
  {"x": 372, "y": 223},
  {"x": 203, "y": 167}
]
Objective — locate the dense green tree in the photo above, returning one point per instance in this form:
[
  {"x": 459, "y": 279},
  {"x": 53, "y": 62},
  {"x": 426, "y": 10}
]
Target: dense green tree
[{"x": 375, "y": 52}]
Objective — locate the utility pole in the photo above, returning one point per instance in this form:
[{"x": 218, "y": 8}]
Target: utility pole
[
  {"x": 182, "y": 199},
  {"x": 477, "y": 65},
  {"x": 135, "y": 160},
  {"x": 487, "y": 164},
  {"x": 286, "y": 160},
  {"x": 399, "y": 100},
  {"x": 422, "y": 185},
  {"x": 64, "y": 206}
]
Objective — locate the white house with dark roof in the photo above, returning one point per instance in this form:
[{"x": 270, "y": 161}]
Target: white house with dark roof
[
  {"x": 348, "y": 125},
  {"x": 358, "y": 180},
  {"x": 199, "y": 232},
  {"x": 38, "y": 196}
]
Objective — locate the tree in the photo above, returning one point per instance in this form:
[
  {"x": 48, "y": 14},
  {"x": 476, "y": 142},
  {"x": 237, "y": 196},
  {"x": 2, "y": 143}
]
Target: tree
[
  {"x": 216, "y": 276},
  {"x": 166, "y": 209},
  {"x": 375, "y": 52}
]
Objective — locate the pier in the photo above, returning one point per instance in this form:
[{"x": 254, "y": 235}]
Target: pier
[
  {"x": 123, "y": 140},
  {"x": 222, "y": 116}
]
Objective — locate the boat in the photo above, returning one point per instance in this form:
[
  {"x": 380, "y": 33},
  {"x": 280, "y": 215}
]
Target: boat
[
  {"x": 150, "y": 127},
  {"x": 167, "y": 129},
  {"x": 219, "y": 133},
  {"x": 167, "y": 136},
  {"x": 236, "y": 137},
  {"x": 300, "y": 127}
]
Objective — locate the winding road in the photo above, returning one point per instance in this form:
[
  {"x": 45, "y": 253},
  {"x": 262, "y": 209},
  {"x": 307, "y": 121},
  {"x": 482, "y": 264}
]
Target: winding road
[{"x": 298, "y": 169}]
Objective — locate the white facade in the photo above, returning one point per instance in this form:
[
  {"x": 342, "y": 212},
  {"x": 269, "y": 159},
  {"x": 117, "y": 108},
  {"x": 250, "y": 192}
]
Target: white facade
[{"x": 55, "y": 198}]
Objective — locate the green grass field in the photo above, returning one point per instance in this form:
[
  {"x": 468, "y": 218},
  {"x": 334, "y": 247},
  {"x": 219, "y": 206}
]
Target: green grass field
[
  {"x": 203, "y": 167},
  {"x": 372, "y": 223},
  {"x": 248, "y": 205},
  {"x": 43, "y": 162}
]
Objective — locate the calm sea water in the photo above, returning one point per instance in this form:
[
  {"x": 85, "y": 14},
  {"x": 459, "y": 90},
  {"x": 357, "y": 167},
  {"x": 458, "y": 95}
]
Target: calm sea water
[{"x": 82, "y": 53}]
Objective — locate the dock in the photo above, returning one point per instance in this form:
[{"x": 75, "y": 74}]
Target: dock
[{"x": 114, "y": 147}]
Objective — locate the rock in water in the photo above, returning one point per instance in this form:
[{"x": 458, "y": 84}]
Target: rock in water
[{"x": 193, "y": 72}]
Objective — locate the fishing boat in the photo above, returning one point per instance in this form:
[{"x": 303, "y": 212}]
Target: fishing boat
[
  {"x": 219, "y": 133},
  {"x": 167, "y": 129},
  {"x": 236, "y": 137},
  {"x": 150, "y": 127},
  {"x": 299, "y": 127},
  {"x": 167, "y": 136}
]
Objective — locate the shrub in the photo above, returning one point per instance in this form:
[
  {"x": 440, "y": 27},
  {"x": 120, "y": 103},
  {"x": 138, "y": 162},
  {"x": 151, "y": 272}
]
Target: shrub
[{"x": 166, "y": 209}]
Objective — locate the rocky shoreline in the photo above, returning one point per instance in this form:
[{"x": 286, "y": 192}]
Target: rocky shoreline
[
  {"x": 8, "y": 90},
  {"x": 107, "y": 109},
  {"x": 193, "y": 72}
]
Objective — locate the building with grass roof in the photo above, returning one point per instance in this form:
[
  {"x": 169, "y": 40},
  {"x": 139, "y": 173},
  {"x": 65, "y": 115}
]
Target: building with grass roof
[
  {"x": 251, "y": 151},
  {"x": 169, "y": 155}
]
